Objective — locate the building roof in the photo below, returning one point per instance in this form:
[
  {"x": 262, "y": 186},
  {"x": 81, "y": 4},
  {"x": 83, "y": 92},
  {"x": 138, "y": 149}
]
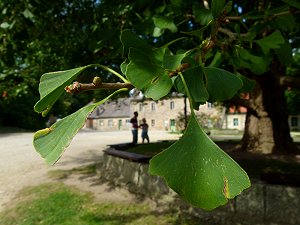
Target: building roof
[{"x": 117, "y": 108}]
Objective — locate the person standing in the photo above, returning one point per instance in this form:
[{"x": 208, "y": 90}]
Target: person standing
[
  {"x": 134, "y": 128},
  {"x": 144, "y": 127}
]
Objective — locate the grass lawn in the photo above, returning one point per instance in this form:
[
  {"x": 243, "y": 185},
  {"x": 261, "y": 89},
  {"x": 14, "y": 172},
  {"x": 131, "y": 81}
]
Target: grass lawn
[{"x": 56, "y": 203}]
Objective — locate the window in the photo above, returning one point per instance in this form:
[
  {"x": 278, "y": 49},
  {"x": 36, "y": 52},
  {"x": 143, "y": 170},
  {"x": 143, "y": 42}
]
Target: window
[
  {"x": 110, "y": 123},
  {"x": 235, "y": 122},
  {"x": 172, "y": 125},
  {"x": 101, "y": 123},
  {"x": 141, "y": 107},
  {"x": 294, "y": 121},
  {"x": 172, "y": 105},
  {"x": 210, "y": 105},
  {"x": 152, "y": 123},
  {"x": 152, "y": 106}
]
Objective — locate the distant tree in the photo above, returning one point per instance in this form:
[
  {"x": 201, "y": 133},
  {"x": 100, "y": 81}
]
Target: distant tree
[
  {"x": 293, "y": 94},
  {"x": 41, "y": 36}
]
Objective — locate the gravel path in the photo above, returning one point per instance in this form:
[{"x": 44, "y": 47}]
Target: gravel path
[{"x": 21, "y": 166}]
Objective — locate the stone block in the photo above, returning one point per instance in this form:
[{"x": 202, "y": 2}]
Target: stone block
[
  {"x": 129, "y": 175},
  {"x": 153, "y": 186},
  {"x": 283, "y": 204},
  {"x": 251, "y": 201}
]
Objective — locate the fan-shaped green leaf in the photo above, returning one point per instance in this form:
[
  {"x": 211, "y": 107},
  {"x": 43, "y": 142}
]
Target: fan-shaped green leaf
[
  {"x": 146, "y": 73},
  {"x": 256, "y": 64},
  {"x": 164, "y": 22},
  {"x": 52, "y": 142},
  {"x": 52, "y": 145},
  {"x": 202, "y": 16},
  {"x": 293, "y": 3},
  {"x": 52, "y": 86},
  {"x": 142, "y": 70},
  {"x": 221, "y": 84},
  {"x": 172, "y": 62},
  {"x": 218, "y": 59},
  {"x": 217, "y": 7},
  {"x": 131, "y": 40},
  {"x": 248, "y": 84},
  {"x": 198, "y": 170},
  {"x": 272, "y": 41},
  {"x": 194, "y": 79},
  {"x": 285, "y": 54},
  {"x": 159, "y": 87}
]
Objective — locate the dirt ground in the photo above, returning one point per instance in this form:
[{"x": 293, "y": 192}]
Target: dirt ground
[{"x": 21, "y": 166}]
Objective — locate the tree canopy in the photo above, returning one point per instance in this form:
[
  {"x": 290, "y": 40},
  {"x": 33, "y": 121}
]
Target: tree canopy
[{"x": 39, "y": 36}]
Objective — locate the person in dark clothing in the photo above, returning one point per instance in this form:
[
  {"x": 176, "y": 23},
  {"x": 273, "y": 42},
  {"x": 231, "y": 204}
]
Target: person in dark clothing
[
  {"x": 144, "y": 127},
  {"x": 134, "y": 128}
]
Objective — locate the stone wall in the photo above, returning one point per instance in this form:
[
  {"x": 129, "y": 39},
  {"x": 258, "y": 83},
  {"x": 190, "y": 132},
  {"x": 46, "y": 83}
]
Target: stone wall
[{"x": 262, "y": 204}]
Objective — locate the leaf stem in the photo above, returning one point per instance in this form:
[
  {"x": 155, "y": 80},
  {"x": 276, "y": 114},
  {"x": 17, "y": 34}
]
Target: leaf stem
[
  {"x": 187, "y": 92},
  {"x": 108, "y": 97},
  {"x": 111, "y": 71}
]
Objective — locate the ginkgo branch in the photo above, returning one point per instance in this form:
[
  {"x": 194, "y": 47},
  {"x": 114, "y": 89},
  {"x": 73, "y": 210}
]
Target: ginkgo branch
[
  {"x": 269, "y": 17},
  {"x": 77, "y": 87},
  {"x": 232, "y": 36}
]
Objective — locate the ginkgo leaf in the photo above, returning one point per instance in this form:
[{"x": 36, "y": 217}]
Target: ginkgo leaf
[
  {"x": 217, "y": 7},
  {"x": 202, "y": 16},
  {"x": 52, "y": 86},
  {"x": 159, "y": 87},
  {"x": 164, "y": 22},
  {"x": 198, "y": 170},
  {"x": 172, "y": 62},
  {"x": 147, "y": 73},
  {"x": 194, "y": 79},
  {"x": 272, "y": 41},
  {"x": 131, "y": 40},
  {"x": 52, "y": 142},
  {"x": 221, "y": 84},
  {"x": 248, "y": 84},
  {"x": 293, "y": 3},
  {"x": 256, "y": 64}
]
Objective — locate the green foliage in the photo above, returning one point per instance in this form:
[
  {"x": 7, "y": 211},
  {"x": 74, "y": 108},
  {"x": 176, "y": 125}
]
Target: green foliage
[
  {"x": 52, "y": 86},
  {"x": 221, "y": 84},
  {"x": 194, "y": 78},
  {"x": 273, "y": 41},
  {"x": 201, "y": 173},
  {"x": 213, "y": 59},
  {"x": 217, "y": 7},
  {"x": 52, "y": 142}
]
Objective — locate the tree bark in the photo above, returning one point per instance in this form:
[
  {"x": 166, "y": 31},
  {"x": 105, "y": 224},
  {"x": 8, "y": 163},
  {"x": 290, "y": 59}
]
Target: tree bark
[{"x": 267, "y": 129}]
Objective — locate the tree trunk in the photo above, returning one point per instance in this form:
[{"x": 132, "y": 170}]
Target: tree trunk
[{"x": 267, "y": 129}]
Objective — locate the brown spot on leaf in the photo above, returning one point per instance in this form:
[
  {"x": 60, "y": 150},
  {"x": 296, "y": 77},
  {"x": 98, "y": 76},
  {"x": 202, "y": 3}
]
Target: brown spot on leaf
[{"x": 226, "y": 188}]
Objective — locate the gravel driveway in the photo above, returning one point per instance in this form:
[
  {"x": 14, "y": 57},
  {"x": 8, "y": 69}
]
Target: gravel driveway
[{"x": 21, "y": 166}]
